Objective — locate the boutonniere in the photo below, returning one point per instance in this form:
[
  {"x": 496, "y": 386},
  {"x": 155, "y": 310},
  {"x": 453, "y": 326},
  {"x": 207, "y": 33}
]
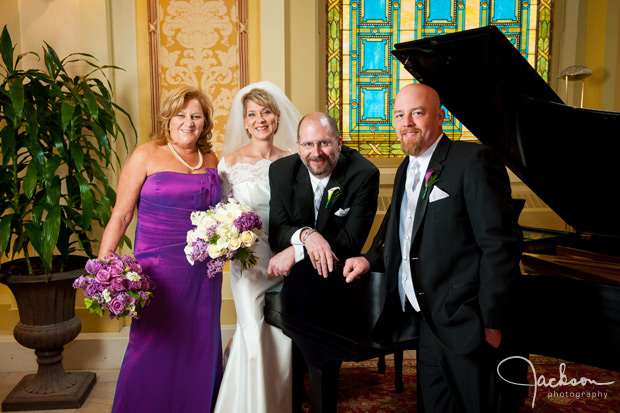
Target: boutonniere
[
  {"x": 333, "y": 193},
  {"x": 430, "y": 179}
]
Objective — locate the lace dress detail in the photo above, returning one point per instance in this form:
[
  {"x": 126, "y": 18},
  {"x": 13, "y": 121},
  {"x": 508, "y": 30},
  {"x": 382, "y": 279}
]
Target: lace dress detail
[{"x": 241, "y": 173}]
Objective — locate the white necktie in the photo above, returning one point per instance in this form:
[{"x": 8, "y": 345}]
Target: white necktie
[
  {"x": 412, "y": 179},
  {"x": 318, "y": 195}
]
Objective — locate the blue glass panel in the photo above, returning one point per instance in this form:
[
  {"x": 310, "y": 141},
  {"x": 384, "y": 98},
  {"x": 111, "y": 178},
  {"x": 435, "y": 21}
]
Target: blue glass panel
[
  {"x": 439, "y": 10},
  {"x": 374, "y": 103},
  {"x": 504, "y": 10},
  {"x": 374, "y": 55},
  {"x": 374, "y": 10}
]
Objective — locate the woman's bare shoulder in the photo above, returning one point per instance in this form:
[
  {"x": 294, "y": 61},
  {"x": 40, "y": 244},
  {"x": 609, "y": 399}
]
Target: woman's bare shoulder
[
  {"x": 280, "y": 153},
  {"x": 210, "y": 160},
  {"x": 240, "y": 155}
]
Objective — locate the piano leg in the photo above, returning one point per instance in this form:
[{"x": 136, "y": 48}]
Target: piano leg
[
  {"x": 398, "y": 371},
  {"x": 324, "y": 386},
  {"x": 381, "y": 364},
  {"x": 299, "y": 375}
]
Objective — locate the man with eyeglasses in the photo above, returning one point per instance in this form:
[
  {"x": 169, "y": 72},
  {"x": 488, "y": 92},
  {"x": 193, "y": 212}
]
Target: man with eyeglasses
[
  {"x": 323, "y": 203},
  {"x": 323, "y": 200}
]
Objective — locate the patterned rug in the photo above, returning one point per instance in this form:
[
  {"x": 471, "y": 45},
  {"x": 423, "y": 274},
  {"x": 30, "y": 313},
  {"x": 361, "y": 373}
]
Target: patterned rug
[{"x": 363, "y": 389}]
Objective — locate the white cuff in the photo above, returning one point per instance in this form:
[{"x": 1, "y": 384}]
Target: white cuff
[{"x": 298, "y": 245}]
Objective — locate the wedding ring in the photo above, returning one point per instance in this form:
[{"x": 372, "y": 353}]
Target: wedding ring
[{"x": 317, "y": 259}]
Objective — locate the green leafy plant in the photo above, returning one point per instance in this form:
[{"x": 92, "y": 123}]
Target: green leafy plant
[{"x": 56, "y": 135}]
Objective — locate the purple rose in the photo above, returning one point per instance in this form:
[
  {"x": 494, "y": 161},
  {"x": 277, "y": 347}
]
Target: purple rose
[
  {"x": 103, "y": 277},
  {"x": 93, "y": 266},
  {"x": 137, "y": 285},
  {"x": 117, "y": 305},
  {"x": 135, "y": 267},
  {"x": 127, "y": 259},
  {"x": 116, "y": 269},
  {"x": 118, "y": 284}
]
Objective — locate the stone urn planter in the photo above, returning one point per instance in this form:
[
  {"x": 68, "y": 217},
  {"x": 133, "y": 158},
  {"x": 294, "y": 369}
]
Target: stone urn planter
[{"x": 47, "y": 322}]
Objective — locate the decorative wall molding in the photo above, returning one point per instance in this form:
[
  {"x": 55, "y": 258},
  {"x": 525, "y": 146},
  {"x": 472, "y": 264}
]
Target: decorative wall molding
[{"x": 199, "y": 43}]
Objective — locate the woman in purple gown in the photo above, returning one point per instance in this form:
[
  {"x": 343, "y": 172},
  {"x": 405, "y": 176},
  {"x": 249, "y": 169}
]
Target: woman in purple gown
[{"x": 173, "y": 360}]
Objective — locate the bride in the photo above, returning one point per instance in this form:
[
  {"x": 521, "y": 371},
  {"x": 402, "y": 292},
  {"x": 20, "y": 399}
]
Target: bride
[{"x": 257, "y": 377}]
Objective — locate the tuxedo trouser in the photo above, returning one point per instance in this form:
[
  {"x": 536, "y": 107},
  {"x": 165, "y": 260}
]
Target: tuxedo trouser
[{"x": 469, "y": 383}]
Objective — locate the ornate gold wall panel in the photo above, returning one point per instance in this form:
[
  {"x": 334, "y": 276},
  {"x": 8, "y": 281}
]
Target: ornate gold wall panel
[{"x": 199, "y": 45}]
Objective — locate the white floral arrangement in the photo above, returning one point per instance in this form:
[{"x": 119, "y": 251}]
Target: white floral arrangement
[{"x": 227, "y": 231}]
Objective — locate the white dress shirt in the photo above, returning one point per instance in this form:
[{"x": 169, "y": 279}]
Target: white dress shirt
[
  {"x": 405, "y": 230},
  {"x": 295, "y": 239}
]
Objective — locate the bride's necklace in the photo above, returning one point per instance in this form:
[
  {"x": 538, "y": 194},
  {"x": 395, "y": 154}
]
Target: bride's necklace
[{"x": 176, "y": 155}]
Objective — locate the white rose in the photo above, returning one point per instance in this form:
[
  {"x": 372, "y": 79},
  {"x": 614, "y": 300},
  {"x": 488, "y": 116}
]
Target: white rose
[
  {"x": 191, "y": 236},
  {"x": 234, "y": 244},
  {"x": 224, "y": 216},
  {"x": 215, "y": 252},
  {"x": 235, "y": 211},
  {"x": 200, "y": 233},
  {"x": 248, "y": 238},
  {"x": 210, "y": 221}
]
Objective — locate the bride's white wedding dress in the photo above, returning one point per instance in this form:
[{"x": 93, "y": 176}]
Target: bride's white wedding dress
[{"x": 257, "y": 376}]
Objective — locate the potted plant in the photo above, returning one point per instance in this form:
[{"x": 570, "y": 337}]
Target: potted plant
[{"x": 56, "y": 135}]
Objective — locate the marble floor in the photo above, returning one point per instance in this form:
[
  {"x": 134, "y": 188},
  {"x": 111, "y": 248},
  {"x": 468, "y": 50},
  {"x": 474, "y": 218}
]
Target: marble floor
[{"x": 99, "y": 400}]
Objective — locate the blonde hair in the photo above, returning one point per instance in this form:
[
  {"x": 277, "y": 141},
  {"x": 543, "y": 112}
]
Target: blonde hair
[
  {"x": 173, "y": 104},
  {"x": 260, "y": 97}
]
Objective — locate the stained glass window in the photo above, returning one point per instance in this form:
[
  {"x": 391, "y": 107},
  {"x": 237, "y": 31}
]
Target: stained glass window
[{"x": 363, "y": 77}]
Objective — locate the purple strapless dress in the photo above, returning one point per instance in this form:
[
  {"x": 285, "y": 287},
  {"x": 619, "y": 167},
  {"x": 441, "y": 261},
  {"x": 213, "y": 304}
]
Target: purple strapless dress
[{"x": 173, "y": 361}]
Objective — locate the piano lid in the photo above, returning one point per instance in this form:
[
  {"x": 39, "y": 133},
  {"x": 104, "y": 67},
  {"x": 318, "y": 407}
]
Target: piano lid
[{"x": 570, "y": 157}]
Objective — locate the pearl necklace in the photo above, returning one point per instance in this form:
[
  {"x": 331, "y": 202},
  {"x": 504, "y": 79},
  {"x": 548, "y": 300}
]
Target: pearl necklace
[{"x": 176, "y": 155}]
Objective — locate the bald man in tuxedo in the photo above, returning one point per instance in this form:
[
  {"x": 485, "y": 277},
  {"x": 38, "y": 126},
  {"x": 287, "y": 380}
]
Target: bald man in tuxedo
[{"x": 451, "y": 256}]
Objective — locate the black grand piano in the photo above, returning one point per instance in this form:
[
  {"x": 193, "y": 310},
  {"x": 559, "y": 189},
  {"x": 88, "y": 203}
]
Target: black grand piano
[{"x": 570, "y": 287}]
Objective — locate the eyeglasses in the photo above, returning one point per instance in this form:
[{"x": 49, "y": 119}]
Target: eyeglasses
[{"x": 320, "y": 144}]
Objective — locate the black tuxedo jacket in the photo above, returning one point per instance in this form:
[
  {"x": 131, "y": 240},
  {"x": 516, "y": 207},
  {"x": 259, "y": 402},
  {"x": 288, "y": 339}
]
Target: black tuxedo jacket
[
  {"x": 465, "y": 250},
  {"x": 292, "y": 203}
]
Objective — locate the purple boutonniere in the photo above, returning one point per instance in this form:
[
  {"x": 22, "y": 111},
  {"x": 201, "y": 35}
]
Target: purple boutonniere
[{"x": 430, "y": 179}]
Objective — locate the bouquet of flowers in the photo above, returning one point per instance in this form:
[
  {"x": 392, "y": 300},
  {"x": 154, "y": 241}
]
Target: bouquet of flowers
[
  {"x": 117, "y": 284},
  {"x": 225, "y": 232}
]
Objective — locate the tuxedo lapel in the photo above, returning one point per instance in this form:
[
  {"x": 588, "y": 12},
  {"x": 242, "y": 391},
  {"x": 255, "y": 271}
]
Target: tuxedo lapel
[
  {"x": 304, "y": 196},
  {"x": 335, "y": 180},
  {"x": 436, "y": 163}
]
